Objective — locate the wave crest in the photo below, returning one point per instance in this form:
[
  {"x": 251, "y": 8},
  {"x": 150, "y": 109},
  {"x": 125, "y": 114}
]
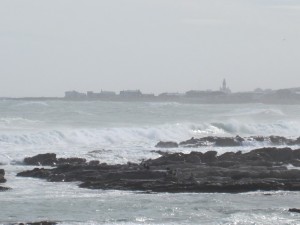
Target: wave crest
[{"x": 126, "y": 136}]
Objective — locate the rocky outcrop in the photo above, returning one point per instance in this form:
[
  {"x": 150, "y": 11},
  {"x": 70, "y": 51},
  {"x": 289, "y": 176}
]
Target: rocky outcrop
[
  {"x": 3, "y": 180},
  {"x": 4, "y": 188},
  {"x": 36, "y": 223},
  {"x": 229, "y": 141},
  {"x": 2, "y": 173},
  {"x": 260, "y": 169},
  {"x": 294, "y": 210},
  {"x": 50, "y": 159},
  {"x": 167, "y": 144}
]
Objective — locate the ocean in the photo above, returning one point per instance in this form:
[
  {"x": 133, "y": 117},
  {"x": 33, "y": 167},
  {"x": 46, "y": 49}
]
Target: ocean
[{"x": 121, "y": 132}]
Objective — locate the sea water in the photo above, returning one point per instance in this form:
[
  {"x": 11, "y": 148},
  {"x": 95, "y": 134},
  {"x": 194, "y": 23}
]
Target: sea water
[{"x": 119, "y": 132}]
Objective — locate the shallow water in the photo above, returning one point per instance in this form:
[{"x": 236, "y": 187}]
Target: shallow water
[{"x": 120, "y": 132}]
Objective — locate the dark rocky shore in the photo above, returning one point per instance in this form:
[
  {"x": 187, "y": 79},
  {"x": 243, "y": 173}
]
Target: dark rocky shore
[
  {"x": 2, "y": 180},
  {"x": 261, "y": 169},
  {"x": 36, "y": 223},
  {"x": 229, "y": 141}
]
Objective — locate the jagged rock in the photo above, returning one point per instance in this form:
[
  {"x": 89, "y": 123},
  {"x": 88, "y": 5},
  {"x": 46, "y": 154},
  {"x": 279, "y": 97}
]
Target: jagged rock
[
  {"x": 229, "y": 156},
  {"x": 36, "y": 172},
  {"x": 3, "y": 180},
  {"x": 72, "y": 161},
  {"x": 209, "y": 156},
  {"x": 278, "y": 140},
  {"x": 48, "y": 159},
  {"x": 4, "y": 188},
  {"x": 194, "y": 157},
  {"x": 236, "y": 141},
  {"x": 2, "y": 173},
  {"x": 198, "y": 142},
  {"x": 160, "y": 152},
  {"x": 166, "y": 144},
  {"x": 297, "y": 141},
  {"x": 260, "y": 169},
  {"x": 272, "y": 154},
  {"x": 94, "y": 162},
  {"x": 294, "y": 210},
  {"x": 228, "y": 142},
  {"x": 257, "y": 138},
  {"x": 36, "y": 223}
]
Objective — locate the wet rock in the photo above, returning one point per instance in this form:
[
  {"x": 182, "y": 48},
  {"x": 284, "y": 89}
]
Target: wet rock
[
  {"x": 94, "y": 162},
  {"x": 296, "y": 142},
  {"x": 160, "y": 152},
  {"x": 209, "y": 156},
  {"x": 3, "y": 180},
  {"x": 2, "y": 173},
  {"x": 72, "y": 161},
  {"x": 257, "y": 138},
  {"x": 4, "y": 188},
  {"x": 166, "y": 144},
  {"x": 210, "y": 140},
  {"x": 236, "y": 141},
  {"x": 228, "y": 142},
  {"x": 272, "y": 154},
  {"x": 278, "y": 140},
  {"x": 260, "y": 169},
  {"x": 48, "y": 159},
  {"x": 228, "y": 156},
  {"x": 198, "y": 142},
  {"x": 294, "y": 210},
  {"x": 194, "y": 157},
  {"x": 36, "y": 223},
  {"x": 36, "y": 172}
]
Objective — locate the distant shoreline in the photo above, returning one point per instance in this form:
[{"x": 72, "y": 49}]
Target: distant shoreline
[
  {"x": 183, "y": 100},
  {"x": 289, "y": 96}
]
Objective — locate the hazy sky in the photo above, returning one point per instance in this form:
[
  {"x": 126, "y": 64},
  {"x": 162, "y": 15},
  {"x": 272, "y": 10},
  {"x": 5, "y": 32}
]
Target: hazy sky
[{"x": 50, "y": 46}]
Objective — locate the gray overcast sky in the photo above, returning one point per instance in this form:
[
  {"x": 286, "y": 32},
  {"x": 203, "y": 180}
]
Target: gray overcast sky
[{"x": 50, "y": 46}]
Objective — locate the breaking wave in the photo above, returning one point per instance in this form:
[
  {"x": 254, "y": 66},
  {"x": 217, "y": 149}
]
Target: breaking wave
[
  {"x": 30, "y": 104},
  {"x": 286, "y": 128},
  {"x": 16, "y": 122},
  {"x": 257, "y": 112},
  {"x": 145, "y": 135}
]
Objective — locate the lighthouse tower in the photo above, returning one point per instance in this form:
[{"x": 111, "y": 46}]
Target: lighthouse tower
[{"x": 224, "y": 87}]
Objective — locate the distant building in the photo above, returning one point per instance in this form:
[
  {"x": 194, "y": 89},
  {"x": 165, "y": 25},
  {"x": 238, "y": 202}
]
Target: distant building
[
  {"x": 195, "y": 93},
  {"x": 91, "y": 94},
  {"x": 224, "y": 88},
  {"x": 148, "y": 95},
  {"x": 263, "y": 91},
  {"x": 131, "y": 93},
  {"x": 107, "y": 93},
  {"x": 74, "y": 95},
  {"x": 166, "y": 94},
  {"x": 102, "y": 94}
]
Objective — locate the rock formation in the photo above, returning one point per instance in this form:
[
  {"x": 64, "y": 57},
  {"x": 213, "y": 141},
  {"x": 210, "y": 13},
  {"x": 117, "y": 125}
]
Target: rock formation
[
  {"x": 2, "y": 180},
  {"x": 232, "y": 172}
]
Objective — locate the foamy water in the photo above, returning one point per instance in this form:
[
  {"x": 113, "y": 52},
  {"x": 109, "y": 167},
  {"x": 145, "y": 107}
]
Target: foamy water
[{"x": 120, "y": 132}]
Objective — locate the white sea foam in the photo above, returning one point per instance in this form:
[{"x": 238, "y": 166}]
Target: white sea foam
[{"x": 145, "y": 134}]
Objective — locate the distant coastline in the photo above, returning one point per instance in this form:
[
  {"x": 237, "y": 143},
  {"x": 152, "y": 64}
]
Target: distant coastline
[{"x": 281, "y": 96}]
